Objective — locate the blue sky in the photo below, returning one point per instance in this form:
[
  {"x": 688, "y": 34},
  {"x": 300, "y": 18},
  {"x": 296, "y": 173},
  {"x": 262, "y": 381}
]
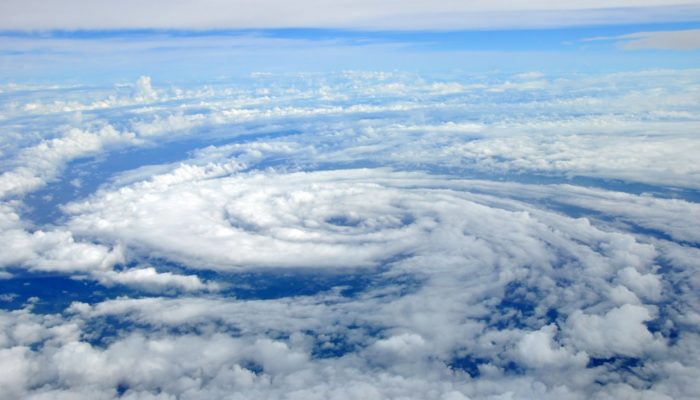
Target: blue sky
[{"x": 104, "y": 56}]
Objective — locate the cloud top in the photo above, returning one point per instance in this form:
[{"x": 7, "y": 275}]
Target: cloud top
[{"x": 361, "y": 235}]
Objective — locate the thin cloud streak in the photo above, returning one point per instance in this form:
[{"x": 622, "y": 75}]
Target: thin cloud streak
[
  {"x": 402, "y": 15},
  {"x": 688, "y": 39}
]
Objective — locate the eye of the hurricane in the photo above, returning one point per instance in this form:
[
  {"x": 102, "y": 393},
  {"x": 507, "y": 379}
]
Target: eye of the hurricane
[
  {"x": 344, "y": 221},
  {"x": 335, "y": 210},
  {"x": 350, "y": 222}
]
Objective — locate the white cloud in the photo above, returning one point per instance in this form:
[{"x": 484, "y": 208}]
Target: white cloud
[
  {"x": 469, "y": 247},
  {"x": 143, "y": 90},
  {"x": 391, "y": 14},
  {"x": 461, "y": 288},
  {"x": 17, "y": 367},
  {"x": 43, "y": 162},
  {"x": 399, "y": 348},
  {"x": 653, "y": 160},
  {"x": 345, "y": 218},
  {"x": 620, "y": 332},
  {"x": 645, "y": 285},
  {"x": 688, "y": 39},
  {"x": 538, "y": 350},
  {"x": 151, "y": 280},
  {"x": 55, "y": 251},
  {"x": 292, "y": 217},
  {"x": 209, "y": 364}
]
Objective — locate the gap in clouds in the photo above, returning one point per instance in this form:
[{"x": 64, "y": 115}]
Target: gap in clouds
[
  {"x": 50, "y": 293},
  {"x": 85, "y": 176}
]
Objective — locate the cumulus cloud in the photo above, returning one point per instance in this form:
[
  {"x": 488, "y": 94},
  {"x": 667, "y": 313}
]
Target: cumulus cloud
[
  {"x": 143, "y": 90},
  {"x": 52, "y": 250},
  {"x": 621, "y": 331},
  {"x": 537, "y": 349}
]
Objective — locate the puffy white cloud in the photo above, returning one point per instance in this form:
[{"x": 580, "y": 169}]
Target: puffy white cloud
[
  {"x": 649, "y": 160},
  {"x": 18, "y": 369},
  {"x": 645, "y": 285},
  {"x": 143, "y": 90},
  {"x": 537, "y": 349},
  {"x": 620, "y": 332},
  {"x": 202, "y": 365},
  {"x": 55, "y": 251},
  {"x": 399, "y": 348}
]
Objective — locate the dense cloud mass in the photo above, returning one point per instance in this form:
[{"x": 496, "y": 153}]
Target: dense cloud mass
[{"x": 359, "y": 235}]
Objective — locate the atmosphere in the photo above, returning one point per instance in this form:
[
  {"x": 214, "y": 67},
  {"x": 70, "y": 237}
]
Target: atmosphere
[
  {"x": 454, "y": 200},
  {"x": 388, "y": 14}
]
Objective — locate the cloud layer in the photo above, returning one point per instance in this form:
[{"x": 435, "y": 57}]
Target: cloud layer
[
  {"x": 215, "y": 14},
  {"x": 367, "y": 235}
]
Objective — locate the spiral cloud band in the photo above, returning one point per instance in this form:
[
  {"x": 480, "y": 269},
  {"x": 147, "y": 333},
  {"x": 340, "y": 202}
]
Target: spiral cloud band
[{"x": 352, "y": 236}]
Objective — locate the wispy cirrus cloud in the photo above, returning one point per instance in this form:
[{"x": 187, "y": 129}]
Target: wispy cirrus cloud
[
  {"x": 393, "y": 14},
  {"x": 688, "y": 39}
]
